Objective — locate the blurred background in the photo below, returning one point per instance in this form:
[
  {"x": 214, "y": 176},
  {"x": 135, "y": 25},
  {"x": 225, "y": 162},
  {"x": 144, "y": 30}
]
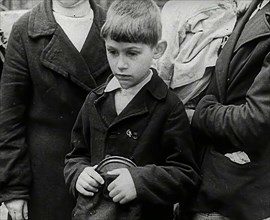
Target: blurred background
[
  {"x": 27, "y": 4},
  {"x": 11, "y": 10}
]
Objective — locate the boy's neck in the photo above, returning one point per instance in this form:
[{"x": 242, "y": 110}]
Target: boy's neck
[
  {"x": 137, "y": 87},
  {"x": 80, "y": 9}
]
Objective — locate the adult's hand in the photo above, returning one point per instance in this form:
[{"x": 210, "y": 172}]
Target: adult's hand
[{"x": 17, "y": 209}]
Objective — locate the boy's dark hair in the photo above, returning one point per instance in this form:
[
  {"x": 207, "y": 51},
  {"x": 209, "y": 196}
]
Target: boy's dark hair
[{"x": 133, "y": 21}]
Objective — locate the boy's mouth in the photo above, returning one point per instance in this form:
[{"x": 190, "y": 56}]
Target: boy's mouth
[{"x": 122, "y": 76}]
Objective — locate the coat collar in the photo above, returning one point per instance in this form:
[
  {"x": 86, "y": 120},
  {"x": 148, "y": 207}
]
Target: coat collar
[
  {"x": 223, "y": 62},
  {"x": 256, "y": 27},
  {"x": 141, "y": 104},
  {"x": 58, "y": 51},
  {"x": 156, "y": 87},
  {"x": 42, "y": 21}
]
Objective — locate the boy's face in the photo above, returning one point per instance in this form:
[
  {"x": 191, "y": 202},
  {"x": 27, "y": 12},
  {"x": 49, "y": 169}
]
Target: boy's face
[{"x": 129, "y": 62}]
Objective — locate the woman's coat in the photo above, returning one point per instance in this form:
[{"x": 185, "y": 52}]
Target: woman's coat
[{"x": 44, "y": 83}]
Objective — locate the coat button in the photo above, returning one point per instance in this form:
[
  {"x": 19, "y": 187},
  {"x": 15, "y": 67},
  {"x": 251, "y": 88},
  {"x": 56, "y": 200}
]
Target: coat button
[{"x": 135, "y": 136}]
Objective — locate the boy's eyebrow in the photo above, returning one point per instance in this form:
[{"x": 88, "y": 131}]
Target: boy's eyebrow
[
  {"x": 109, "y": 46},
  {"x": 126, "y": 48},
  {"x": 133, "y": 47}
]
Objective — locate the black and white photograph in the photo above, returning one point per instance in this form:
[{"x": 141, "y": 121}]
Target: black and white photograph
[{"x": 134, "y": 109}]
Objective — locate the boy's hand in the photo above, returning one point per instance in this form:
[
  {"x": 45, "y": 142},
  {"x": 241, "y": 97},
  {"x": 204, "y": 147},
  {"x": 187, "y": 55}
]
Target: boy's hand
[
  {"x": 122, "y": 189},
  {"x": 89, "y": 181}
]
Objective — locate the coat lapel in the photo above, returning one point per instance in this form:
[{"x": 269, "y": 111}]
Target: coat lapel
[
  {"x": 137, "y": 106},
  {"x": 62, "y": 57},
  {"x": 143, "y": 103},
  {"x": 94, "y": 52},
  {"x": 223, "y": 62},
  {"x": 59, "y": 54},
  {"x": 255, "y": 28},
  {"x": 146, "y": 99}
]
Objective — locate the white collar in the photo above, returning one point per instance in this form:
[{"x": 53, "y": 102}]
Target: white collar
[
  {"x": 115, "y": 85},
  {"x": 81, "y": 10}
]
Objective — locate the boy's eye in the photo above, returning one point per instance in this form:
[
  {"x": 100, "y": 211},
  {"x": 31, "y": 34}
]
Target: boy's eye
[
  {"x": 132, "y": 53},
  {"x": 113, "y": 52}
]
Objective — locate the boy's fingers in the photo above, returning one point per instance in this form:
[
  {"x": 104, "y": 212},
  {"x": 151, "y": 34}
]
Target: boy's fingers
[
  {"x": 91, "y": 181},
  {"x": 97, "y": 177},
  {"x": 111, "y": 186},
  {"x": 124, "y": 201},
  {"x": 88, "y": 186},
  {"x": 83, "y": 191},
  {"x": 115, "y": 172},
  {"x": 118, "y": 198},
  {"x": 94, "y": 174},
  {"x": 114, "y": 192}
]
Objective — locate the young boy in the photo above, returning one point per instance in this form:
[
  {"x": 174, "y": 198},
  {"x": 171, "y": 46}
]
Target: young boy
[{"x": 134, "y": 116}]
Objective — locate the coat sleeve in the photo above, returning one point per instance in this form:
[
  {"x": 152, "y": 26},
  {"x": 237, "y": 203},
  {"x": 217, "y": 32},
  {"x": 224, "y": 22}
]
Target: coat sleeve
[
  {"x": 246, "y": 125},
  {"x": 15, "y": 171},
  {"x": 174, "y": 179},
  {"x": 79, "y": 157}
]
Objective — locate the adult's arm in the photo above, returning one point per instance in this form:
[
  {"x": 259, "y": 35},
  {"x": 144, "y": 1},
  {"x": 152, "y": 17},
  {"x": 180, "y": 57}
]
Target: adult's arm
[
  {"x": 15, "y": 171},
  {"x": 246, "y": 125}
]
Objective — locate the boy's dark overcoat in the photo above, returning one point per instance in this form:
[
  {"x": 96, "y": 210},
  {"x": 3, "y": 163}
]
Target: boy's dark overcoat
[
  {"x": 237, "y": 118},
  {"x": 44, "y": 83},
  {"x": 153, "y": 131}
]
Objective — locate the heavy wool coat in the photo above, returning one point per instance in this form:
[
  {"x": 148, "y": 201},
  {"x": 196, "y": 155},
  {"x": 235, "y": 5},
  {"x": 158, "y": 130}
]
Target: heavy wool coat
[
  {"x": 44, "y": 84},
  {"x": 235, "y": 116},
  {"x": 154, "y": 132}
]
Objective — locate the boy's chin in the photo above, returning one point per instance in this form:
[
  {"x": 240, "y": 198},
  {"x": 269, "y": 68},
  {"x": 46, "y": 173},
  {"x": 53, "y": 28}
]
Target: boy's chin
[{"x": 125, "y": 85}]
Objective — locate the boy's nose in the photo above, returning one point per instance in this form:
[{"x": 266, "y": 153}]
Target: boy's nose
[{"x": 122, "y": 64}]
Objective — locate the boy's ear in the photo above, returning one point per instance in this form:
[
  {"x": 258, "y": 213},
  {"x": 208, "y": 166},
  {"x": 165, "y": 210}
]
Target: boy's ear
[{"x": 160, "y": 49}]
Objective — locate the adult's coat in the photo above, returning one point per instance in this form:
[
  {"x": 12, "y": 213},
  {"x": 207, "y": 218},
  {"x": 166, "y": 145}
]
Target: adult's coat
[{"x": 44, "y": 83}]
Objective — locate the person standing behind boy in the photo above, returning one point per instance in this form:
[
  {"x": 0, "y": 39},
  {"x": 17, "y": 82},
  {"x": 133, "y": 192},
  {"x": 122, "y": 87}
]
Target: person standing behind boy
[
  {"x": 134, "y": 116},
  {"x": 233, "y": 122},
  {"x": 54, "y": 58}
]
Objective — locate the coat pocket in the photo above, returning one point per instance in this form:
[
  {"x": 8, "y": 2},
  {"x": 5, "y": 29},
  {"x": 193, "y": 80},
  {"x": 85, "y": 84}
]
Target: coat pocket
[{"x": 232, "y": 189}]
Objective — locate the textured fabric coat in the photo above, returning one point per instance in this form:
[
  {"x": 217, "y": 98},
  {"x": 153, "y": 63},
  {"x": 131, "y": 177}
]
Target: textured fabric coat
[
  {"x": 44, "y": 84},
  {"x": 235, "y": 116},
  {"x": 154, "y": 132}
]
